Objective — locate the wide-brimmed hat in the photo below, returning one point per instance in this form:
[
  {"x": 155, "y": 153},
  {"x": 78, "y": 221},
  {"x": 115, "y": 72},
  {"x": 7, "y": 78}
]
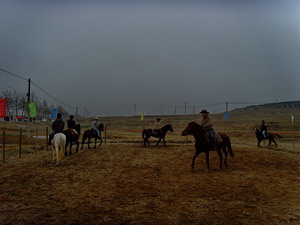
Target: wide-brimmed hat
[
  {"x": 96, "y": 118},
  {"x": 204, "y": 111}
]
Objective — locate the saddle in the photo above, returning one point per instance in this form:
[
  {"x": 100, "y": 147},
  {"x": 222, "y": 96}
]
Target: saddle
[
  {"x": 94, "y": 132},
  {"x": 218, "y": 138}
]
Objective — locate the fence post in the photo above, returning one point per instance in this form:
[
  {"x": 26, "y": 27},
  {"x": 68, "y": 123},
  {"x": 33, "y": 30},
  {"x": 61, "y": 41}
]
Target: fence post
[
  {"x": 3, "y": 146},
  {"x": 20, "y": 149},
  {"x": 105, "y": 134},
  {"x": 47, "y": 138},
  {"x": 36, "y": 137}
]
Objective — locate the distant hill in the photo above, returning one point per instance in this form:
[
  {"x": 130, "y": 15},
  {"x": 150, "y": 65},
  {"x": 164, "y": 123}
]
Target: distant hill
[{"x": 289, "y": 104}]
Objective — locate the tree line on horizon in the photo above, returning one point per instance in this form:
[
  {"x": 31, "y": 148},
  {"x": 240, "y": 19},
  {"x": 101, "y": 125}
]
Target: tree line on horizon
[{"x": 16, "y": 104}]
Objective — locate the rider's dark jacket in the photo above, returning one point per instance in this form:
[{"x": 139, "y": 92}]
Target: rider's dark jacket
[{"x": 58, "y": 125}]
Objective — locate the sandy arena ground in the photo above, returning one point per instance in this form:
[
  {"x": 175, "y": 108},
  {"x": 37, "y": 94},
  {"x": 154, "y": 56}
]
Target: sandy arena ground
[{"x": 130, "y": 184}]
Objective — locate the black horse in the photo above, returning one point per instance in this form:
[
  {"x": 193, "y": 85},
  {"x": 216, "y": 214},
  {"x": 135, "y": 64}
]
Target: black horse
[
  {"x": 147, "y": 133},
  {"x": 202, "y": 144},
  {"x": 260, "y": 137},
  {"x": 91, "y": 133},
  {"x": 72, "y": 138}
]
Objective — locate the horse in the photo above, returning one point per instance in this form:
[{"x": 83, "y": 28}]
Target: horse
[
  {"x": 58, "y": 145},
  {"x": 90, "y": 133},
  {"x": 260, "y": 137},
  {"x": 71, "y": 138},
  {"x": 202, "y": 143},
  {"x": 147, "y": 133}
]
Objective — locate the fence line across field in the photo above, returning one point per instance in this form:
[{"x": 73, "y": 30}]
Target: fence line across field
[{"x": 22, "y": 143}]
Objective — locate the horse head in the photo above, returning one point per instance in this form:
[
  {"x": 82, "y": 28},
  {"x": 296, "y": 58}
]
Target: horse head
[
  {"x": 168, "y": 127},
  {"x": 191, "y": 128},
  {"x": 101, "y": 127}
]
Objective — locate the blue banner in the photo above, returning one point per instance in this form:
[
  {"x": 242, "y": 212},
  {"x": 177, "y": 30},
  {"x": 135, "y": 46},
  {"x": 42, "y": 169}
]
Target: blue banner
[
  {"x": 54, "y": 113},
  {"x": 226, "y": 116}
]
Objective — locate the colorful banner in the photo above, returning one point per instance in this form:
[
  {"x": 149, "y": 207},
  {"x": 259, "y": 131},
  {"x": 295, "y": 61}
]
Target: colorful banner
[
  {"x": 226, "y": 116},
  {"x": 32, "y": 109},
  {"x": 54, "y": 113},
  {"x": 2, "y": 107}
]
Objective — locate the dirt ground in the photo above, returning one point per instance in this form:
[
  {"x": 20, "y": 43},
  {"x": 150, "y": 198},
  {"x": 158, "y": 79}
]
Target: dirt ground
[{"x": 129, "y": 184}]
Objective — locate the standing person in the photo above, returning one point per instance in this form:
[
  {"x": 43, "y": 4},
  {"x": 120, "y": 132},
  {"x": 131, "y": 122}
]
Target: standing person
[
  {"x": 95, "y": 126},
  {"x": 157, "y": 126},
  {"x": 57, "y": 127},
  {"x": 208, "y": 126},
  {"x": 264, "y": 129},
  {"x": 72, "y": 125}
]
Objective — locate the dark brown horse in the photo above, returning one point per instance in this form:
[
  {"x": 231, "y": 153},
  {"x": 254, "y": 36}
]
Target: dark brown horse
[
  {"x": 71, "y": 138},
  {"x": 147, "y": 133},
  {"x": 202, "y": 143},
  {"x": 91, "y": 133},
  {"x": 260, "y": 137}
]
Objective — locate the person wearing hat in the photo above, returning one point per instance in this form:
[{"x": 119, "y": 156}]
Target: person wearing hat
[
  {"x": 157, "y": 126},
  {"x": 72, "y": 125},
  {"x": 95, "y": 126},
  {"x": 57, "y": 127},
  {"x": 208, "y": 126},
  {"x": 264, "y": 129}
]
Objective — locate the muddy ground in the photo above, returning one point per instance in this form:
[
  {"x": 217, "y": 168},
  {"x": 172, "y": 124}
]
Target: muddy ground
[{"x": 130, "y": 184}]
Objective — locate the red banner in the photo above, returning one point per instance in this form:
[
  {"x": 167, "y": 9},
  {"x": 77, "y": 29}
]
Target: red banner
[{"x": 2, "y": 107}]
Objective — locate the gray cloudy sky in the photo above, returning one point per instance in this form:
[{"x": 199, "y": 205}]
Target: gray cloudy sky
[{"x": 110, "y": 55}]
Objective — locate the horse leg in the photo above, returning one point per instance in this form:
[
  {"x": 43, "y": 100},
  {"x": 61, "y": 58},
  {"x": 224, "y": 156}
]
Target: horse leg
[
  {"x": 70, "y": 151},
  {"x": 77, "y": 146},
  {"x": 89, "y": 140},
  {"x": 225, "y": 153},
  {"x": 194, "y": 157},
  {"x": 258, "y": 144},
  {"x": 275, "y": 143},
  {"x": 158, "y": 141},
  {"x": 164, "y": 142},
  {"x": 100, "y": 142},
  {"x": 95, "y": 143},
  {"x": 66, "y": 152},
  {"x": 207, "y": 160},
  {"x": 220, "y": 157}
]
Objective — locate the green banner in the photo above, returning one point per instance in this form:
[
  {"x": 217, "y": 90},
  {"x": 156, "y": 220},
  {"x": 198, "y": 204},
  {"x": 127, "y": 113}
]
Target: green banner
[{"x": 32, "y": 109}]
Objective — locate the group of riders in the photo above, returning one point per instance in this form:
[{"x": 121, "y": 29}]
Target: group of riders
[
  {"x": 206, "y": 123},
  {"x": 58, "y": 126}
]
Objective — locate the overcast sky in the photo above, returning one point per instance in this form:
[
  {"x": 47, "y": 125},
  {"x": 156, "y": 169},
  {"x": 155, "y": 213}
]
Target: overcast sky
[{"x": 110, "y": 55}]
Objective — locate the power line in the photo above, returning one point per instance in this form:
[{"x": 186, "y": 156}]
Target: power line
[{"x": 23, "y": 78}]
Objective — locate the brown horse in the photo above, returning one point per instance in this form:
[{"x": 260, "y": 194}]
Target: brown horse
[
  {"x": 71, "y": 138},
  {"x": 260, "y": 137},
  {"x": 91, "y": 133},
  {"x": 202, "y": 144}
]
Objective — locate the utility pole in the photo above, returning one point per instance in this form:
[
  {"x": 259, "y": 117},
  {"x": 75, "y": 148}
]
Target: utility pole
[
  {"x": 185, "y": 108},
  {"x": 84, "y": 112},
  {"x": 175, "y": 109},
  {"x": 226, "y": 106},
  {"x": 28, "y": 101},
  {"x": 76, "y": 111}
]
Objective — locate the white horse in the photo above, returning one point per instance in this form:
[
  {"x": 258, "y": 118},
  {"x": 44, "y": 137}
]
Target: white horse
[{"x": 58, "y": 144}]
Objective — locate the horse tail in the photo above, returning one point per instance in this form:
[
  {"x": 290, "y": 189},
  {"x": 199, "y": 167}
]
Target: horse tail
[
  {"x": 60, "y": 146},
  {"x": 229, "y": 147}
]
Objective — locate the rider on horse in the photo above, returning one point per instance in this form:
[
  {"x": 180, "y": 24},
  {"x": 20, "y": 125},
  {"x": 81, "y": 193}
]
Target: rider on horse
[
  {"x": 157, "y": 126},
  {"x": 72, "y": 125},
  {"x": 95, "y": 126},
  {"x": 208, "y": 126},
  {"x": 264, "y": 129},
  {"x": 57, "y": 127}
]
